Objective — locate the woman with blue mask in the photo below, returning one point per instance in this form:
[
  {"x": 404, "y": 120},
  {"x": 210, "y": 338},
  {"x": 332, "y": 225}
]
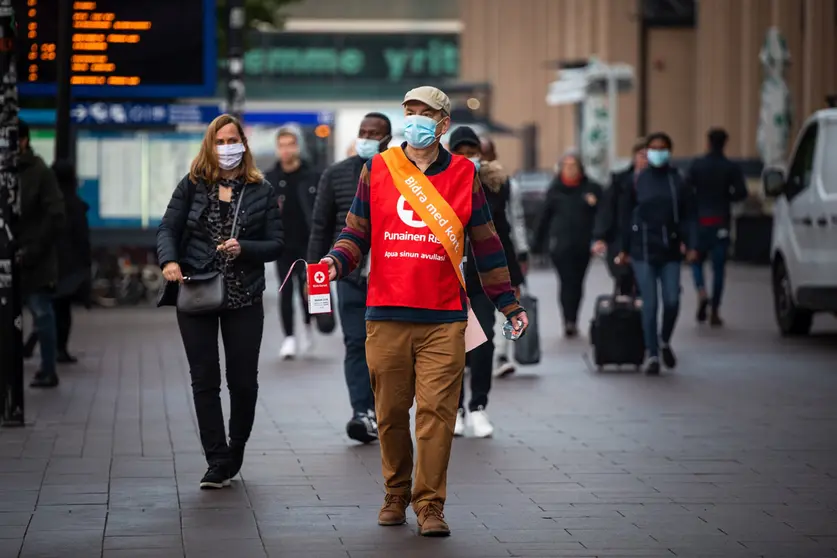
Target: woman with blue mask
[{"x": 658, "y": 225}]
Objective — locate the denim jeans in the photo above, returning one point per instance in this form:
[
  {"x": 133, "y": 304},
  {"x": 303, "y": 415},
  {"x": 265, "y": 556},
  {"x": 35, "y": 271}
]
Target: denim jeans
[
  {"x": 649, "y": 276},
  {"x": 241, "y": 332},
  {"x": 715, "y": 249},
  {"x": 481, "y": 359},
  {"x": 351, "y": 302},
  {"x": 43, "y": 315}
]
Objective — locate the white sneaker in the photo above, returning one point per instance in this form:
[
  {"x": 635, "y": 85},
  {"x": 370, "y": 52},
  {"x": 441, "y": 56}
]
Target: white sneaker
[
  {"x": 504, "y": 367},
  {"x": 481, "y": 426},
  {"x": 459, "y": 429},
  {"x": 288, "y": 349}
]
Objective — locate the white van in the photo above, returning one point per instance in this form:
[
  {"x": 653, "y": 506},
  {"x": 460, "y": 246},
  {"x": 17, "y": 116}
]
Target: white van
[{"x": 804, "y": 246}]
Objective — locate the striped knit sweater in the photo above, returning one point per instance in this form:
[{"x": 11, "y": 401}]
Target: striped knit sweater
[{"x": 353, "y": 243}]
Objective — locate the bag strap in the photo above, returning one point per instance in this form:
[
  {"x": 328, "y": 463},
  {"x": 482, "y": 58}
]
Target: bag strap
[
  {"x": 237, "y": 210},
  {"x": 674, "y": 199}
]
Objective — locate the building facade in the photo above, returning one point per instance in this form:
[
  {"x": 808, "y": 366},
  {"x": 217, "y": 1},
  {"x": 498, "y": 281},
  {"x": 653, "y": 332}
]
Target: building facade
[{"x": 691, "y": 73}]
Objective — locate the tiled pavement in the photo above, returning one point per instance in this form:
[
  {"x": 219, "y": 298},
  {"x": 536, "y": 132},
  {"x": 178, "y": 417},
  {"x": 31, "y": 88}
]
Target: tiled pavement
[{"x": 734, "y": 455}]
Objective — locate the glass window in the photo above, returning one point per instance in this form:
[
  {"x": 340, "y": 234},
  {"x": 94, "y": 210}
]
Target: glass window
[
  {"x": 829, "y": 168},
  {"x": 799, "y": 177}
]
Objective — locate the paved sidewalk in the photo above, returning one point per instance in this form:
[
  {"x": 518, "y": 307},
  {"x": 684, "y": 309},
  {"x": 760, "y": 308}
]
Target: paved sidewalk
[{"x": 733, "y": 455}]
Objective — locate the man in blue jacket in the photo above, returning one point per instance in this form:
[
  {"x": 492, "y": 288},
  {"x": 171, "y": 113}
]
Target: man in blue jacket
[{"x": 717, "y": 183}]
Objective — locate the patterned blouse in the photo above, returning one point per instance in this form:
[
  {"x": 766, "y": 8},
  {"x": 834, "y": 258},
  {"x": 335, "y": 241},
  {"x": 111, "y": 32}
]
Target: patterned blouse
[{"x": 218, "y": 223}]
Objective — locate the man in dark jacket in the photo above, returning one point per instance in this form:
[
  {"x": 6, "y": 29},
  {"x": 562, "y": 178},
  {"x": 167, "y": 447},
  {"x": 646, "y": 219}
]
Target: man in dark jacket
[
  {"x": 464, "y": 141},
  {"x": 335, "y": 195},
  {"x": 296, "y": 183},
  {"x": 41, "y": 222},
  {"x": 606, "y": 228},
  {"x": 74, "y": 261},
  {"x": 718, "y": 183}
]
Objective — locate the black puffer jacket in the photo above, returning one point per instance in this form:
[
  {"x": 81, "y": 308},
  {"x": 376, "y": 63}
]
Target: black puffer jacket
[
  {"x": 657, "y": 217},
  {"x": 259, "y": 232},
  {"x": 296, "y": 191},
  {"x": 335, "y": 194},
  {"x": 568, "y": 218}
]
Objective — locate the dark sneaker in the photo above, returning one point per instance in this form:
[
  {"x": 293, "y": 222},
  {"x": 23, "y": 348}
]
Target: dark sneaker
[
  {"x": 504, "y": 367},
  {"x": 703, "y": 306},
  {"x": 65, "y": 358},
  {"x": 216, "y": 477},
  {"x": 362, "y": 428},
  {"x": 431, "y": 521},
  {"x": 394, "y": 510},
  {"x": 668, "y": 356},
  {"x": 236, "y": 460},
  {"x": 715, "y": 320},
  {"x": 570, "y": 330},
  {"x": 41, "y": 381},
  {"x": 652, "y": 366}
]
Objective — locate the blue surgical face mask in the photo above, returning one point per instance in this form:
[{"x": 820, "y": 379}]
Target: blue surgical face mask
[
  {"x": 658, "y": 157},
  {"x": 476, "y": 161},
  {"x": 367, "y": 148},
  {"x": 420, "y": 131}
]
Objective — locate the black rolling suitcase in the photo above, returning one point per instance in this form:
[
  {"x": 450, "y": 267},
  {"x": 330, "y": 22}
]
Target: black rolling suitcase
[
  {"x": 616, "y": 331},
  {"x": 527, "y": 349}
]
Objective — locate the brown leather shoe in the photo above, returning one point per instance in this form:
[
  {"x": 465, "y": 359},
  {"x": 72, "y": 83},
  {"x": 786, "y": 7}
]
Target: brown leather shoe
[
  {"x": 431, "y": 521},
  {"x": 394, "y": 510}
]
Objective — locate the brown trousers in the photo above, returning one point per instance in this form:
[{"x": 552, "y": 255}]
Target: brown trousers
[{"x": 425, "y": 362}]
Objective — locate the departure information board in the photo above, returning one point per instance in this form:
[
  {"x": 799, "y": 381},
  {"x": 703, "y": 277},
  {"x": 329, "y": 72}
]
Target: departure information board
[{"x": 125, "y": 49}]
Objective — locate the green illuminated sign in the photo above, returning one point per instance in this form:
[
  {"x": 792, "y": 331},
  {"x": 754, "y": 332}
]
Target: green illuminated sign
[{"x": 355, "y": 57}]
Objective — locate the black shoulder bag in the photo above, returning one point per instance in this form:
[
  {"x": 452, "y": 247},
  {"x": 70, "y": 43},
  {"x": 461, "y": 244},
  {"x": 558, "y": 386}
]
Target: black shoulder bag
[{"x": 204, "y": 293}]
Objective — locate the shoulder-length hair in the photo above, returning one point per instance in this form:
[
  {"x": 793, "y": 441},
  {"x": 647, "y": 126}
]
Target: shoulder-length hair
[{"x": 205, "y": 166}]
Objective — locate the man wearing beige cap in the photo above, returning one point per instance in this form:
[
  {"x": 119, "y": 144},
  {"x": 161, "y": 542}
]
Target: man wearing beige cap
[{"x": 418, "y": 211}]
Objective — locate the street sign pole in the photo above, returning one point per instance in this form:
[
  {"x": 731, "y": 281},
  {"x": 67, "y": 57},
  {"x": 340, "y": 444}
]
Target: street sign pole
[
  {"x": 235, "y": 60},
  {"x": 63, "y": 130},
  {"x": 11, "y": 310}
]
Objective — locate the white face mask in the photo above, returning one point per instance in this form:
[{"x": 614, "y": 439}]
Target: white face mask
[{"x": 229, "y": 156}]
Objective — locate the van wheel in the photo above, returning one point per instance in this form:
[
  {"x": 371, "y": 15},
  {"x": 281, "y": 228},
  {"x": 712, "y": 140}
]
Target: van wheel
[{"x": 792, "y": 320}]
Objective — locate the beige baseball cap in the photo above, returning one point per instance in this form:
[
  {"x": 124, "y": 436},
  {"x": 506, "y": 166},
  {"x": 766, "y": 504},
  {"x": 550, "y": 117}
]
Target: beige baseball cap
[{"x": 430, "y": 96}]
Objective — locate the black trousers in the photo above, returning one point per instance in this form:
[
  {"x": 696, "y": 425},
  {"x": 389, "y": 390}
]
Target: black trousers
[
  {"x": 241, "y": 332},
  {"x": 571, "y": 266},
  {"x": 63, "y": 308},
  {"x": 481, "y": 359},
  {"x": 286, "y": 297}
]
